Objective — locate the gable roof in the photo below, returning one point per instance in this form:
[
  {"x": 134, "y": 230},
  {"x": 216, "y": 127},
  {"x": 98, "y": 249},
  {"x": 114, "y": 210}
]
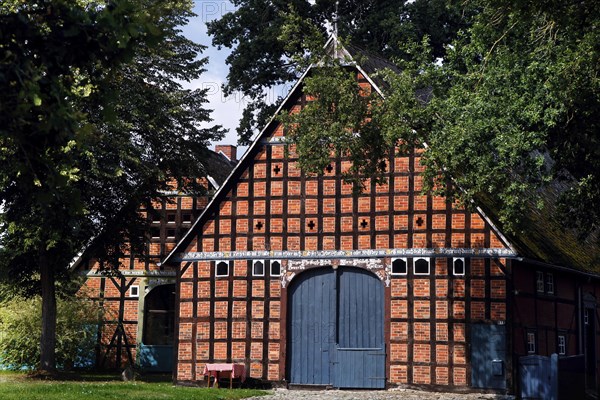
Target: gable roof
[
  {"x": 544, "y": 240},
  {"x": 347, "y": 55},
  {"x": 367, "y": 63}
]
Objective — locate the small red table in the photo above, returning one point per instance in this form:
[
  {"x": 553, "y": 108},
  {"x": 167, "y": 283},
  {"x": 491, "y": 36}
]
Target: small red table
[{"x": 235, "y": 371}]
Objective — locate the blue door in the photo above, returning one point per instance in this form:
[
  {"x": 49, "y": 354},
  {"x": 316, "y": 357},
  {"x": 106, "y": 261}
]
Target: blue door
[
  {"x": 311, "y": 331},
  {"x": 488, "y": 356},
  {"x": 156, "y": 349},
  {"x": 335, "y": 329},
  {"x": 360, "y": 348}
]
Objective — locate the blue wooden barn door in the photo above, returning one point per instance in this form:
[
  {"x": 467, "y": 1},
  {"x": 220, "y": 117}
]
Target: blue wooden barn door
[
  {"x": 335, "y": 326},
  {"x": 360, "y": 349},
  {"x": 311, "y": 327}
]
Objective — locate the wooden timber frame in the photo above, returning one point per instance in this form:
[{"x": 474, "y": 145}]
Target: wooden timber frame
[{"x": 120, "y": 332}]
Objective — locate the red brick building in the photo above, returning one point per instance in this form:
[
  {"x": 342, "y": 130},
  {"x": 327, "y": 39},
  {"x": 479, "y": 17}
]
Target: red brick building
[
  {"x": 138, "y": 326},
  {"x": 306, "y": 283}
]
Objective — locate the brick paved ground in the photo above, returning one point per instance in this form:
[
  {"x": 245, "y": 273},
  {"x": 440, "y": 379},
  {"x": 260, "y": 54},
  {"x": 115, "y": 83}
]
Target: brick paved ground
[{"x": 393, "y": 394}]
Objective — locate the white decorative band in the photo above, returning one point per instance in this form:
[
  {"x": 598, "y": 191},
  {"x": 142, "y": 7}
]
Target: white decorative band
[
  {"x": 125, "y": 272},
  {"x": 319, "y": 254},
  {"x": 275, "y": 140}
]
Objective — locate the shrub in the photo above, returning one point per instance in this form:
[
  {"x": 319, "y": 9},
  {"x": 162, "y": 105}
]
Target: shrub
[{"x": 20, "y": 330}]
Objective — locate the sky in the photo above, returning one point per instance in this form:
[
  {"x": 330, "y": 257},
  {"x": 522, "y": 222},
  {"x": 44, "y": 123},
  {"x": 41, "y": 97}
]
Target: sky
[{"x": 227, "y": 111}]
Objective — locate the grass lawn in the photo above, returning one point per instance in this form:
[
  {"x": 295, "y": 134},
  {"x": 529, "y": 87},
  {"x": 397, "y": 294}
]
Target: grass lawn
[{"x": 17, "y": 386}]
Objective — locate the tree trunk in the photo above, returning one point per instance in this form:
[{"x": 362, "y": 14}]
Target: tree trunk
[{"x": 48, "y": 339}]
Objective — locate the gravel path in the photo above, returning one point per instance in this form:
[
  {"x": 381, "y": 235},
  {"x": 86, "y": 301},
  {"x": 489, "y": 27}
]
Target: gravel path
[{"x": 392, "y": 394}]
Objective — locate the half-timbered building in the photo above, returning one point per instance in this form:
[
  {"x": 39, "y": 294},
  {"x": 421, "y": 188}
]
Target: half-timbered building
[
  {"x": 137, "y": 293},
  {"x": 305, "y": 282}
]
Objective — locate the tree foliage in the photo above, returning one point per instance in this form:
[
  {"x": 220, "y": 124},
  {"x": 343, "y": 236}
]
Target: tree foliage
[
  {"x": 516, "y": 106},
  {"x": 511, "y": 108},
  {"x": 263, "y": 54},
  {"x": 93, "y": 123},
  {"x": 20, "y": 329},
  {"x": 334, "y": 122}
]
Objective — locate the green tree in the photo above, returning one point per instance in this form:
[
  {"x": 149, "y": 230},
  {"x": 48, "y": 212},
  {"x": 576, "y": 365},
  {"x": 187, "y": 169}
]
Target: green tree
[
  {"x": 93, "y": 123},
  {"x": 261, "y": 59},
  {"x": 509, "y": 111},
  {"x": 21, "y": 323}
]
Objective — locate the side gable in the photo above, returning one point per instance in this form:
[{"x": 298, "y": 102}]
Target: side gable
[
  {"x": 545, "y": 238},
  {"x": 217, "y": 168}
]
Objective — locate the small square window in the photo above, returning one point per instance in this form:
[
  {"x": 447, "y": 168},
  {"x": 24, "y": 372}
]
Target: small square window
[
  {"x": 186, "y": 217},
  {"x": 539, "y": 282},
  {"x": 422, "y": 266},
  {"x": 155, "y": 232},
  {"x": 258, "y": 268},
  {"x": 531, "y": 342},
  {"x": 549, "y": 283},
  {"x": 155, "y": 215},
  {"x": 222, "y": 268},
  {"x": 458, "y": 266},
  {"x": 171, "y": 233},
  {"x": 134, "y": 291},
  {"x": 562, "y": 345},
  {"x": 275, "y": 268},
  {"x": 399, "y": 266},
  {"x": 171, "y": 217}
]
